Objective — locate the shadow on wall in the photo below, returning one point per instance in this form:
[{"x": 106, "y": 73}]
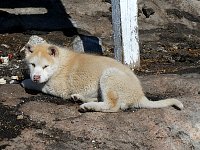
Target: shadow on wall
[{"x": 38, "y": 15}]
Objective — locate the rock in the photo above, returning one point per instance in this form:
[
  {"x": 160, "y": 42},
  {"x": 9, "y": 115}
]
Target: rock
[
  {"x": 4, "y": 60},
  {"x": 58, "y": 125},
  {"x": 14, "y": 77},
  {"x": 2, "y": 81},
  {"x": 5, "y": 45},
  {"x": 34, "y": 39},
  {"x": 88, "y": 44},
  {"x": 183, "y": 18},
  {"x": 15, "y": 80},
  {"x": 20, "y": 117}
]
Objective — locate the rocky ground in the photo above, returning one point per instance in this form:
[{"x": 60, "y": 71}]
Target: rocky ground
[{"x": 170, "y": 50}]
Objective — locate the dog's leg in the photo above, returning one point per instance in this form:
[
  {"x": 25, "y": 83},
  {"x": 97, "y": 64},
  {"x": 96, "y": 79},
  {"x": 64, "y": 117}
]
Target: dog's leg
[
  {"x": 77, "y": 97},
  {"x": 108, "y": 82},
  {"x": 108, "y": 105},
  {"x": 92, "y": 106}
]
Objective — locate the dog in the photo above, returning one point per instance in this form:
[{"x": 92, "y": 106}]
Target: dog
[{"x": 101, "y": 83}]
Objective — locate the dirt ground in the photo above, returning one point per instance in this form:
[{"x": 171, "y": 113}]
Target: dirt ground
[{"x": 170, "y": 51}]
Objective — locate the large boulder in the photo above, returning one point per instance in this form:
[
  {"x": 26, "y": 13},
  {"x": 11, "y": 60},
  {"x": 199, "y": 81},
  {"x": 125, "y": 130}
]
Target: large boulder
[{"x": 45, "y": 122}]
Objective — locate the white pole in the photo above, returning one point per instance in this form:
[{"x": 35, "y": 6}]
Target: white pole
[{"x": 125, "y": 28}]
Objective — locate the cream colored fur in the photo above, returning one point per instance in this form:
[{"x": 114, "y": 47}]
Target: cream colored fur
[{"x": 101, "y": 83}]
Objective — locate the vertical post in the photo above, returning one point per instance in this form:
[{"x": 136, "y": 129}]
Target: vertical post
[
  {"x": 125, "y": 32},
  {"x": 117, "y": 33}
]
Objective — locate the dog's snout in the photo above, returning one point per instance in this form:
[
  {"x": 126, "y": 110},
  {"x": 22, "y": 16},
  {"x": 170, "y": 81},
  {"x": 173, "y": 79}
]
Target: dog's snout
[{"x": 36, "y": 78}]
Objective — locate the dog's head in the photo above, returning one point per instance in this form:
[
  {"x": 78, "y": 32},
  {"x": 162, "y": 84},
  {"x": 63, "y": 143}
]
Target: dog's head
[{"x": 42, "y": 60}]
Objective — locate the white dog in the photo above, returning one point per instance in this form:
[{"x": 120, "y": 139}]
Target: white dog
[{"x": 101, "y": 83}]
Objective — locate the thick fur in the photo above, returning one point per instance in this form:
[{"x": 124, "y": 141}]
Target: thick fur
[{"x": 101, "y": 83}]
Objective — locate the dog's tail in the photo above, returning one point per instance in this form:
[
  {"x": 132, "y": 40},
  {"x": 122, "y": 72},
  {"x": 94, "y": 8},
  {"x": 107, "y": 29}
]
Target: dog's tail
[{"x": 146, "y": 103}]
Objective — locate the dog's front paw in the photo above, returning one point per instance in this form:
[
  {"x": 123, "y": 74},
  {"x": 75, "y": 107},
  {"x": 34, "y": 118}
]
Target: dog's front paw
[
  {"x": 77, "y": 97},
  {"x": 81, "y": 110},
  {"x": 85, "y": 108}
]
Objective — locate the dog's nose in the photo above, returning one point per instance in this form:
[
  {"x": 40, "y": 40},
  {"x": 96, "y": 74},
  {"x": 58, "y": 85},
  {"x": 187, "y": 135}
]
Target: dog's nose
[{"x": 36, "y": 78}]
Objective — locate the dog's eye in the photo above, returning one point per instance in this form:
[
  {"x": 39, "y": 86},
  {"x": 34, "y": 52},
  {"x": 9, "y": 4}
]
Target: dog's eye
[
  {"x": 33, "y": 64},
  {"x": 45, "y": 66}
]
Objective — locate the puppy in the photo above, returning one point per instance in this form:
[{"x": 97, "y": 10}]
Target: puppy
[{"x": 101, "y": 83}]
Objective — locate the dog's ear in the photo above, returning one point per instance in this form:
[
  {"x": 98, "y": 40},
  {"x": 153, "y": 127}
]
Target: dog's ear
[
  {"x": 28, "y": 49},
  {"x": 53, "y": 51}
]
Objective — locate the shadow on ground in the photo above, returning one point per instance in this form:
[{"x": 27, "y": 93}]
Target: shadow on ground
[{"x": 54, "y": 19}]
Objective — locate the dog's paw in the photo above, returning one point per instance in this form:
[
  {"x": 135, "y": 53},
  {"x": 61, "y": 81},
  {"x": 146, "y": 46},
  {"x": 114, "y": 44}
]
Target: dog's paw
[
  {"x": 77, "y": 97},
  {"x": 86, "y": 107},
  {"x": 81, "y": 110}
]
